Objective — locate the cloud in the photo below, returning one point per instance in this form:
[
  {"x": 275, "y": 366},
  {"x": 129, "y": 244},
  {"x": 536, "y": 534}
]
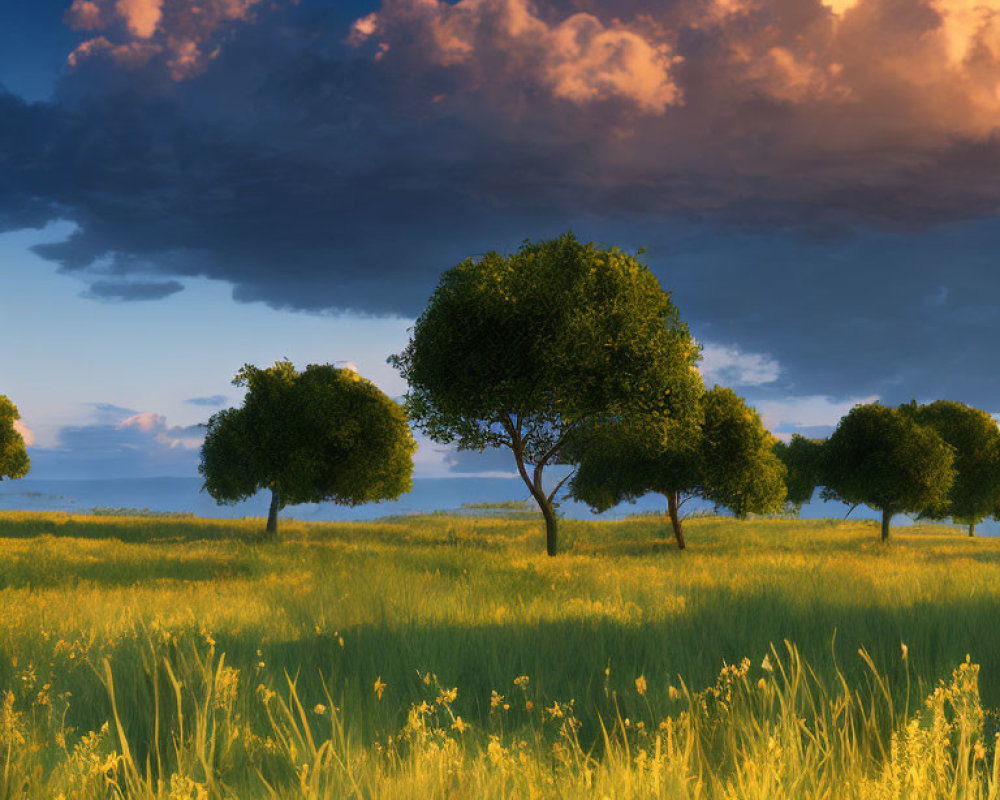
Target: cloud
[
  {"x": 133, "y": 290},
  {"x": 181, "y": 36},
  {"x": 25, "y": 431},
  {"x": 802, "y": 173},
  {"x": 120, "y": 443},
  {"x": 213, "y": 401},
  {"x": 580, "y": 59},
  {"x": 730, "y": 366},
  {"x": 814, "y": 416}
]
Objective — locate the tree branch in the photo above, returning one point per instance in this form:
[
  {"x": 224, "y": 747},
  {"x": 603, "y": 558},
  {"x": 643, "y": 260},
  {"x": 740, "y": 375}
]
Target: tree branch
[{"x": 559, "y": 486}]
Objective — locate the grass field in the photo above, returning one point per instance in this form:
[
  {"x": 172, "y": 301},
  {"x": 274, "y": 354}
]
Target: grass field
[{"x": 449, "y": 657}]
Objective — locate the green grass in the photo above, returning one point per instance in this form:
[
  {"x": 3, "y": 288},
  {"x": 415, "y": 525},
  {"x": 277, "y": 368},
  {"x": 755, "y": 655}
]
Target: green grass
[{"x": 474, "y": 603}]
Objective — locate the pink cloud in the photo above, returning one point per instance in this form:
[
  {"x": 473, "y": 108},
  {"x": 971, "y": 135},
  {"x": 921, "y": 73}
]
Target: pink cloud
[
  {"x": 84, "y": 15},
  {"x": 141, "y": 16},
  {"x": 580, "y": 58},
  {"x": 25, "y": 431},
  {"x": 147, "y": 421},
  {"x": 181, "y": 36}
]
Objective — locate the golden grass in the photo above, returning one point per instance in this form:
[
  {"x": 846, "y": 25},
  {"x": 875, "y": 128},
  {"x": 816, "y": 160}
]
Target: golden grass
[{"x": 198, "y": 622}]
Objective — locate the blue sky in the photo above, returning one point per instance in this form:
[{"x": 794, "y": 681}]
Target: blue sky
[{"x": 185, "y": 187}]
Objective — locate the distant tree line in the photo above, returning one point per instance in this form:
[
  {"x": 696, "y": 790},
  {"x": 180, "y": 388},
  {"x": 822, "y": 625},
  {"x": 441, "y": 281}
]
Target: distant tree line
[
  {"x": 938, "y": 461},
  {"x": 572, "y": 355}
]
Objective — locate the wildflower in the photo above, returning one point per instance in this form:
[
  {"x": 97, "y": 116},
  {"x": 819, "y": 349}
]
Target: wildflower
[
  {"x": 906, "y": 650},
  {"x": 447, "y": 696},
  {"x": 640, "y": 685},
  {"x": 340, "y": 640},
  {"x": 379, "y": 687},
  {"x": 458, "y": 725},
  {"x": 522, "y": 682},
  {"x": 496, "y": 700},
  {"x": 320, "y": 709},
  {"x": 528, "y": 705},
  {"x": 762, "y": 684},
  {"x": 494, "y": 751},
  {"x": 766, "y": 663},
  {"x": 674, "y": 694},
  {"x": 978, "y": 752},
  {"x": 555, "y": 711}
]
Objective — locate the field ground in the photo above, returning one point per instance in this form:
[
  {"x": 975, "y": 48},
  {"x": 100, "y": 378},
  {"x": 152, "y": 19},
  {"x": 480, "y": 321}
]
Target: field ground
[{"x": 323, "y": 665}]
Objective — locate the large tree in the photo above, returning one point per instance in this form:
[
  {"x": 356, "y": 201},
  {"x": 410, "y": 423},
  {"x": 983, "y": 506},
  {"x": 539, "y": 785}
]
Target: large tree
[
  {"x": 975, "y": 438},
  {"x": 14, "y": 461},
  {"x": 324, "y": 434},
  {"x": 518, "y": 351},
  {"x": 883, "y": 458},
  {"x": 722, "y": 454}
]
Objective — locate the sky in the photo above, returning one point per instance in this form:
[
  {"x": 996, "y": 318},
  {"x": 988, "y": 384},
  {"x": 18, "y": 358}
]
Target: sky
[{"x": 190, "y": 185}]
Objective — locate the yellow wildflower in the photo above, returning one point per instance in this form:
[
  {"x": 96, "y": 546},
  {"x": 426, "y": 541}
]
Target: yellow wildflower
[
  {"x": 640, "y": 685},
  {"x": 379, "y": 687},
  {"x": 458, "y": 725}
]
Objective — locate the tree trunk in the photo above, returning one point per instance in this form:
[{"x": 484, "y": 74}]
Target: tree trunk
[
  {"x": 673, "y": 504},
  {"x": 972, "y": 529},
  {"x": 272, "y": 514},
  {"x": 886, "y": 516},
  {"x": 551, "y": 535}
]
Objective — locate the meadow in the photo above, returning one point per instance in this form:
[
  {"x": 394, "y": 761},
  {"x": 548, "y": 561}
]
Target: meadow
[{"x": 447, "y": 656}]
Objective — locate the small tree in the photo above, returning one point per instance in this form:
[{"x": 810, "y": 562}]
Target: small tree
[
  {"x": 519, "y": 351},
  {"x": 975, "y": 437},
  {"x": 723, "y": 454},
  {"x": 324, "y": 434},
  {"x": 881, "y": 457},
  {"x": 14, "y": 461},
  {"x": 802, "y": 459}
]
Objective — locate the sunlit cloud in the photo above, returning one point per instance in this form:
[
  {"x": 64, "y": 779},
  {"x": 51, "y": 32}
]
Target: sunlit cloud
[
  {"x": 580, "y": 58},
  {"x": 25, "y": 431},
  {"x": 804, "y": 414},
  {"x": 730, "y": 366},
  {"x": 184, "y": 35}
]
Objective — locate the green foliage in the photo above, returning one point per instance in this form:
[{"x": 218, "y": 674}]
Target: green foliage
[
  {"x": 975, "y": 439},
  {"x": 802, "y": 458},
  {"x": 721, "y": 453},
  {"x": 883, "y": 458},
  {"x": 518, "y": 351},
  {"x": 741, "y": 470},
  {"x": 14, "y": 461},
  {"x": 324, "y": 434}
]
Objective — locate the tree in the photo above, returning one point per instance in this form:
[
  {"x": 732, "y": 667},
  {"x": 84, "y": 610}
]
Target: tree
[
  {"x": 722, "y": 454},
  {"x": 519, "y": 351},
  {"x": 883, "y": 458},
  {"x": 975, "y": 437},
  {"x": 324, "y": 434},
  {"x": 14, "y": 461},
  {"x": 802, "y": 459}
]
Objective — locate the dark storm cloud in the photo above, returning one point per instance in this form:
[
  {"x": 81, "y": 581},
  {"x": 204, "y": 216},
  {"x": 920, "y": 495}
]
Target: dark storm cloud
[
  {"x": 788, "y": 164},
  {"x": 133, "y": 290}
]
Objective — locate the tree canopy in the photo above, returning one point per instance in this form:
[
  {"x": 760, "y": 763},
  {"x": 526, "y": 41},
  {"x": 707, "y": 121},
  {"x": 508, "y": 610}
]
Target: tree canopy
[
  {"x": 14, "y": 461},
  {"x": 883, "y": 458},
  {"x": 975, "y": 438},
  {"x": 802, "y": 458},
  {"x": 324, "y": 434},
  {"x": 722, "y": 454},
  {"x": 518, "y": 351}
]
